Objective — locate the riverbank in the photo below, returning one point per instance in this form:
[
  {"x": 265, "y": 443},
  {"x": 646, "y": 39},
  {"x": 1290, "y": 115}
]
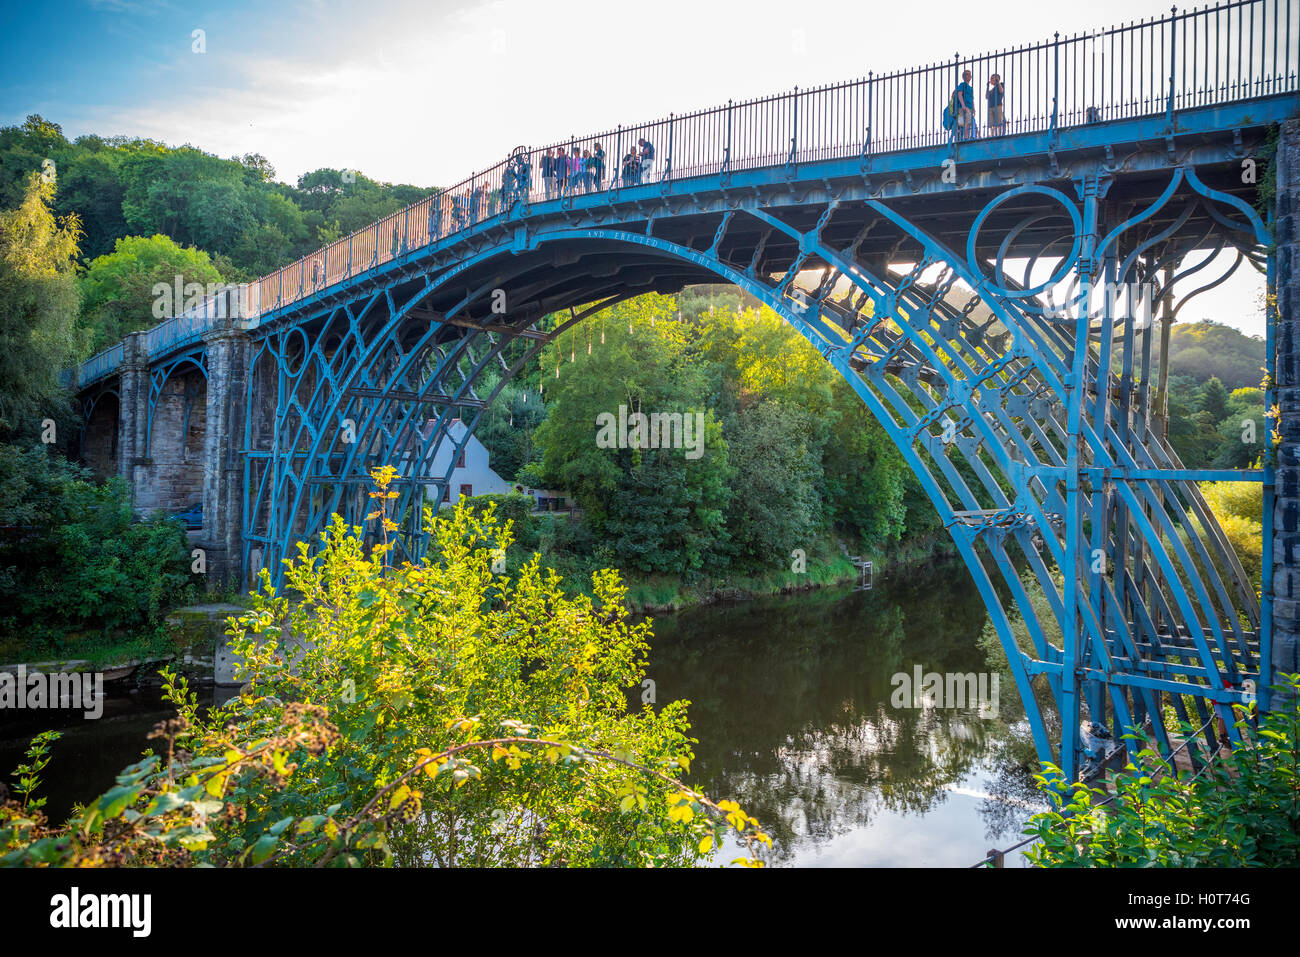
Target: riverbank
[
  {"x": 657, "y": 594},
  {"x": 183, "y": 632}
]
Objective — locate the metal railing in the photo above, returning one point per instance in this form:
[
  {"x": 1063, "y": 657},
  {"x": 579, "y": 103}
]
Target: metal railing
[
  {"x": 97, "y": 366},
  {"x": 1232, "y": 51}
]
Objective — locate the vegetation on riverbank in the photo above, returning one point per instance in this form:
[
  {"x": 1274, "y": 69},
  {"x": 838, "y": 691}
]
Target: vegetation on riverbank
[
  {"x": 442, "y": 713},
  {"x": 1242, "y": 810},
  {"x": 79, "y": 576}
]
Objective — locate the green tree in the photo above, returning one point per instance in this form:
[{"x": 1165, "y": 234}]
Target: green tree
[
  {"x": 75, "y": 569},
  {"x": 1190, "y": 433},
  {"x": 38, "y": 310},
  {"x": 866, "y": 478},
  {"x": 507, "y": 426},
  {"x": 658, "y": 510},
  {"x": 91, "y": 187},
  {"x": 1214, "y": 400},
  {"x": 1241, "y": 438},
  {"x": 775, "y": 505},
  {"x": 118, "y": 290},
  {"x": 24, "y": 150},
  {"x": 1204, "y": 349}
]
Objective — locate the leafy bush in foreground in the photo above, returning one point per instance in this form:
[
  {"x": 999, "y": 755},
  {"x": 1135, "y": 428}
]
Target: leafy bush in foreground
[
  {"x": 1243, "y": 811},
  {"x": 435, "y": 713}
]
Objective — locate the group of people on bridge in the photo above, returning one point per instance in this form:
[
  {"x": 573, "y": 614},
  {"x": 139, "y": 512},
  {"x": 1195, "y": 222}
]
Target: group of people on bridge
[
  {"x": 568, "y": 171},
  {"x": 959, "y": 115},
  {"x": 564, "y": 172}
]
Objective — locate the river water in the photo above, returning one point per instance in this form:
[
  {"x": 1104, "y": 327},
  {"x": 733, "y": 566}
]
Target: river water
[{"x": 791, "y": 704}]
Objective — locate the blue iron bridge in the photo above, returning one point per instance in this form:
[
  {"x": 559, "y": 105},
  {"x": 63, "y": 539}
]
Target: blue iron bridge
[{"x": 949, "y": 275}]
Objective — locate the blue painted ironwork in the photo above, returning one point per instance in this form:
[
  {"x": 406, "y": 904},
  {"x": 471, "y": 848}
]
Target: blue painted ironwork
[
  {"x": 1032, "y": 416},
  {"x": 98, "y": 367},
  {"x": 194, "y": 360}
]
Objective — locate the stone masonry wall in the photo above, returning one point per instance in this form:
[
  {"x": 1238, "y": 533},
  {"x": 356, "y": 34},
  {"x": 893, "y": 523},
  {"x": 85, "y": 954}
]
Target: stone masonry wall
[
  {"x": 1286, "y": 511},
  {"x": 223, "y": 472},
  {"x": 171, "y": 478}
]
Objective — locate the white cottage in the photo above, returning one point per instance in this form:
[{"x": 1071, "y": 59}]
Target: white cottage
[{"x": 472, "y": 474}]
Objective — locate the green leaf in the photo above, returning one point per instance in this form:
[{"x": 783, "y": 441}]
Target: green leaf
[
  {"x": 115, "y": 800},
  {"x": 263, "y": 847}
]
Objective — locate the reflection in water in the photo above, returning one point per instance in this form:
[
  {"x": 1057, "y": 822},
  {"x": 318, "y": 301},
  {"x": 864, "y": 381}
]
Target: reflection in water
[{"x": 790, "y": 701}]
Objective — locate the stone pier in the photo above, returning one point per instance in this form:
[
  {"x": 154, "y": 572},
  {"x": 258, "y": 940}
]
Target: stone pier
[{"x": 1286, "y": 507}]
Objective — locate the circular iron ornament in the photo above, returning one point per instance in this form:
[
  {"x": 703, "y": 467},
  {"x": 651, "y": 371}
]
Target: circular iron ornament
[
  {"x": 287, "y": 355},
  {"x": 1067, "y": 264}
]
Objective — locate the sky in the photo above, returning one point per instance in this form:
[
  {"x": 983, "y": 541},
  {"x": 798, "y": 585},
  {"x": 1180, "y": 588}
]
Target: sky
[{"x": 427, "y": 92}]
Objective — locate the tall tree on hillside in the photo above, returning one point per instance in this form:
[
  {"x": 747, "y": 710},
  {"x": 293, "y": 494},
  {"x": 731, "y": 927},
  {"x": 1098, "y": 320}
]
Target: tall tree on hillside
[
  {"x": 39, "y": 337},
  {"x": 118, "y": 289},
  {"x": 1214, "y": 399},
  {"x": 24, "y": 150},
  {"x": 777, "y": 473}
]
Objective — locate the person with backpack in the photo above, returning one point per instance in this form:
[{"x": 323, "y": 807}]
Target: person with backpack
[
  {"x": 963, "y": 106},
  {"x": 996, "y": 96}
]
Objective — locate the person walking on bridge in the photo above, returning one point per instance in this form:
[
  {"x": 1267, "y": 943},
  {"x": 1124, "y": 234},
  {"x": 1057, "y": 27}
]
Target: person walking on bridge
[
  {"x": 562, "y": 170},
  {"x": 647, "y": 159},
  {"x": 963, "y": 101}
]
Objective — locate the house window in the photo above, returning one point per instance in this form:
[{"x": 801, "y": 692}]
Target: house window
[
  {"x": 466, "y": 490},
  {"x": 446, "y": 493},
  {"x": 460, "y": 460}
]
